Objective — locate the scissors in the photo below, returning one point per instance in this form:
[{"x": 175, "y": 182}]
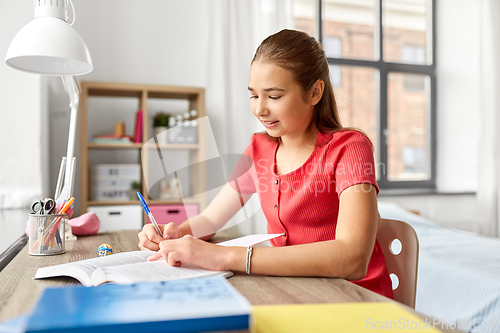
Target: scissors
[{"x": 42, "y": 207}]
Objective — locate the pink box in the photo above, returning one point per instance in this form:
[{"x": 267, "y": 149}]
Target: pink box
[{"x": 164, "y": 214}]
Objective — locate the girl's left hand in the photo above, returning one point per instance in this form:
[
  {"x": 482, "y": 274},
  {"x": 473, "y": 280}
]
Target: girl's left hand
[{"x": 192, "y": 251}]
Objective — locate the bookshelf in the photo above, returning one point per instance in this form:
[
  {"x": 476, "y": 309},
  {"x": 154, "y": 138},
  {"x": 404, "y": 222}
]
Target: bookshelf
[{"x": 142, "y": 95}]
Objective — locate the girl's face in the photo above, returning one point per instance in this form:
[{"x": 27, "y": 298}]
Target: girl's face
[{"x": 276, "y": 100}]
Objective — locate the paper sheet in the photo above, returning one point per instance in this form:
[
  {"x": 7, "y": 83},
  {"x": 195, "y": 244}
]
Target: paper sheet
[
  {"x": 148, "y": 271},
  {"x": 246, "y": 241}
]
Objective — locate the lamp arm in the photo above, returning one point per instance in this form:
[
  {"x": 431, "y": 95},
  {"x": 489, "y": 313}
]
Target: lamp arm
[{"x": 72, "y": 88}]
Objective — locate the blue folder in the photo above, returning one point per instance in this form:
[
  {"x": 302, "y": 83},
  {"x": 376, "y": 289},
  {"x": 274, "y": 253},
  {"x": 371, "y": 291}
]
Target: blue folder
[{"x": 204, "y": 304}]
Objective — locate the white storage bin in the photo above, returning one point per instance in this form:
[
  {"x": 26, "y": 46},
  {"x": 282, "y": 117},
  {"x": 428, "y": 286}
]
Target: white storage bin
[
  {"x": 112, "y": 182},
  {"x": 117, "y": 171},
  {"x": 118, "y": 217},
  {"x": 110, "y": 194}
]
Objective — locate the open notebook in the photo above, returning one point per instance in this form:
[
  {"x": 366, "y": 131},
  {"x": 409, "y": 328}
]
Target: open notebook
[{"x": 133, "y": 267}]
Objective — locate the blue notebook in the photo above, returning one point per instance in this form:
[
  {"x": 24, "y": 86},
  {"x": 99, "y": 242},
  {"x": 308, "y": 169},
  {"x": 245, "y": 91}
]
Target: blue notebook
[{"x": 204, "y": 304}]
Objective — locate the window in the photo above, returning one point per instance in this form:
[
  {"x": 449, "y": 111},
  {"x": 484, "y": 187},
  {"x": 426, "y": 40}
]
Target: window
[
  {"x": 413, "y": 82},
  {"x": 413, "y": 54},
  {"x": 381, "y": 58},
  {"x": 333, "y": 49}
]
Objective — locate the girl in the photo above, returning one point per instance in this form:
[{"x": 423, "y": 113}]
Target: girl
[{"x": 315, "y": 180}]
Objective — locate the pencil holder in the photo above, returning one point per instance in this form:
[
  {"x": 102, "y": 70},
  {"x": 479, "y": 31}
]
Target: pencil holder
[{"x": 47, "y": 234}]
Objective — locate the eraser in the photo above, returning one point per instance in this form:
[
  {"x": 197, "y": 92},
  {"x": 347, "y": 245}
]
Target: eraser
[{"x": 105, "y": 250}]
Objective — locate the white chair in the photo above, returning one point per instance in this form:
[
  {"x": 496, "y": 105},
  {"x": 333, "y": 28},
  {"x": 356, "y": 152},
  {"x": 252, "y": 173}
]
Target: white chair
[{"x": 400, "y": 245}]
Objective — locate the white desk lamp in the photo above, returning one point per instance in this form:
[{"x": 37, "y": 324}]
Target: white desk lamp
[{"x": 49, "y": 45}]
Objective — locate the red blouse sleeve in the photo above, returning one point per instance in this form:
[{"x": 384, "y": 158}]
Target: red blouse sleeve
[
  {"x": 355, "y": 162},
  {"x": 244, "y": 176}
]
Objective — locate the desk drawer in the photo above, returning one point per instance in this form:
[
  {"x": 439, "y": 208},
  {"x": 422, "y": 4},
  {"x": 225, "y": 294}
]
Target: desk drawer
[
  {"x": 164, "y": 214},
  {"x": 118, "y": 217}
]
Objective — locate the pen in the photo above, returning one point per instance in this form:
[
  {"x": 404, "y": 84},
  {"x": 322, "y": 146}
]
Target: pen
[
  {"x": 151, "y": 218},
  {"x": 58, "y": 239}
]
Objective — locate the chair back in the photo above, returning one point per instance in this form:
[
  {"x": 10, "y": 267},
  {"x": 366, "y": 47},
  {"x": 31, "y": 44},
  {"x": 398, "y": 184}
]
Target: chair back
[{"x": 400, "y": 245}]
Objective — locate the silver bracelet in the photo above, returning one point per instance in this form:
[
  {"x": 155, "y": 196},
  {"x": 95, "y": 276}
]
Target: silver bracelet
[{"x": 249, "y": 257}]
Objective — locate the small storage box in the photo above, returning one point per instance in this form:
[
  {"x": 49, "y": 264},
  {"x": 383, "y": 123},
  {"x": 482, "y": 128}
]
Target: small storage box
[
  {"x": 112, "y": 182},
  {"x": 164, "y": 214},
  {"x": 110, "y": 194},
  {"x": 118, "y": 217},
  {"x": 183, "y": 133},
  {"x": 116, "y": 171}
]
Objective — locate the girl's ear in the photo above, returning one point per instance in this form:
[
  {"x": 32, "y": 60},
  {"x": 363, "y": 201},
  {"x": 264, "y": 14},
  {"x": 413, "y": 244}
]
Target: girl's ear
[{"x": 317, "y": 92}]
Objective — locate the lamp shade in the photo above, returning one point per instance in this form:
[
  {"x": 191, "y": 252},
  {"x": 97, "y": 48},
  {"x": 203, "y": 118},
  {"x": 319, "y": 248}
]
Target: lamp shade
[{"x": 49, "y": 46}]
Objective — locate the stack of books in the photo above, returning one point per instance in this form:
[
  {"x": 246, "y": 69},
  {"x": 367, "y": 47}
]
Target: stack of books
[{"x": 119, "y": 138}]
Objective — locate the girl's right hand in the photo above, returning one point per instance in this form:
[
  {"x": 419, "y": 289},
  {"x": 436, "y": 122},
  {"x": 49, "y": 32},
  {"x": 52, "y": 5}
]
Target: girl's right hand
[{"x": 149, "y": 238}]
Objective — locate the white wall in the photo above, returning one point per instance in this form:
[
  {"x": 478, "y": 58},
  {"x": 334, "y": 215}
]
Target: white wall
[
  {"x": 158, "y": 41},
  {"x": 21, "y": 110},
  {"x": 458, "y": 94}
]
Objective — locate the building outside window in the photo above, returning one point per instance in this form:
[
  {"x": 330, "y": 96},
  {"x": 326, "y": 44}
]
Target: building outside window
[
  {"x": 381, "y": 65},
  {"x": 333, "y": 49}
]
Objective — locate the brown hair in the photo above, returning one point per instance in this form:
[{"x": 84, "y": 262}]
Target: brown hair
[{"x": 305, "y": 58}]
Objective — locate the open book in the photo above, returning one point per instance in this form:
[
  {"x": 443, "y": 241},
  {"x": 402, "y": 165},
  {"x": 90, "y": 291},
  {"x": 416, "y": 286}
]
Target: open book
[
  {"x": 124, "y": 268},
  {"x": 133, "y": 267}
]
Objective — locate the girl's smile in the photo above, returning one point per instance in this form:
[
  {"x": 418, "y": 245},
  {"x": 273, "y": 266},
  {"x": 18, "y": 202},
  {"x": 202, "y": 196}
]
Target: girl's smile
[{"x": 270, "y": 124}]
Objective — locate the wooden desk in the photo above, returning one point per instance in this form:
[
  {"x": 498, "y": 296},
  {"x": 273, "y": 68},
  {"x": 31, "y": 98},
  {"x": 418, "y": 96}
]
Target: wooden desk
[{"x": 19, "y": 293}]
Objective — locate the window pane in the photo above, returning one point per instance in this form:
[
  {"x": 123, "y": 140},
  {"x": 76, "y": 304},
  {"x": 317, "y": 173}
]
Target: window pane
[
  {"x": 405, "y": 31},
  {"x": 356, "y": 99},
  {"x": 350, "y": 24},
  {"x": 304, "y": 12},
  {"x": 407, "y": 127}
]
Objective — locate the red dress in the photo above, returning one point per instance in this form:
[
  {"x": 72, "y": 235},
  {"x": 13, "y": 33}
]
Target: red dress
[{"x": 305, "y": 202}]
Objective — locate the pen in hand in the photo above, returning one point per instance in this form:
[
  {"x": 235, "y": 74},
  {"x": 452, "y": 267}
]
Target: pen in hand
[{"x": 148, "y": 212}]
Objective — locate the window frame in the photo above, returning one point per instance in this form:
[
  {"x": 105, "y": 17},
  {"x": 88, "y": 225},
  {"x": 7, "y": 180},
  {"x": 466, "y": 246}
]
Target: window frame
[{"x": 384, "y": 68}]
